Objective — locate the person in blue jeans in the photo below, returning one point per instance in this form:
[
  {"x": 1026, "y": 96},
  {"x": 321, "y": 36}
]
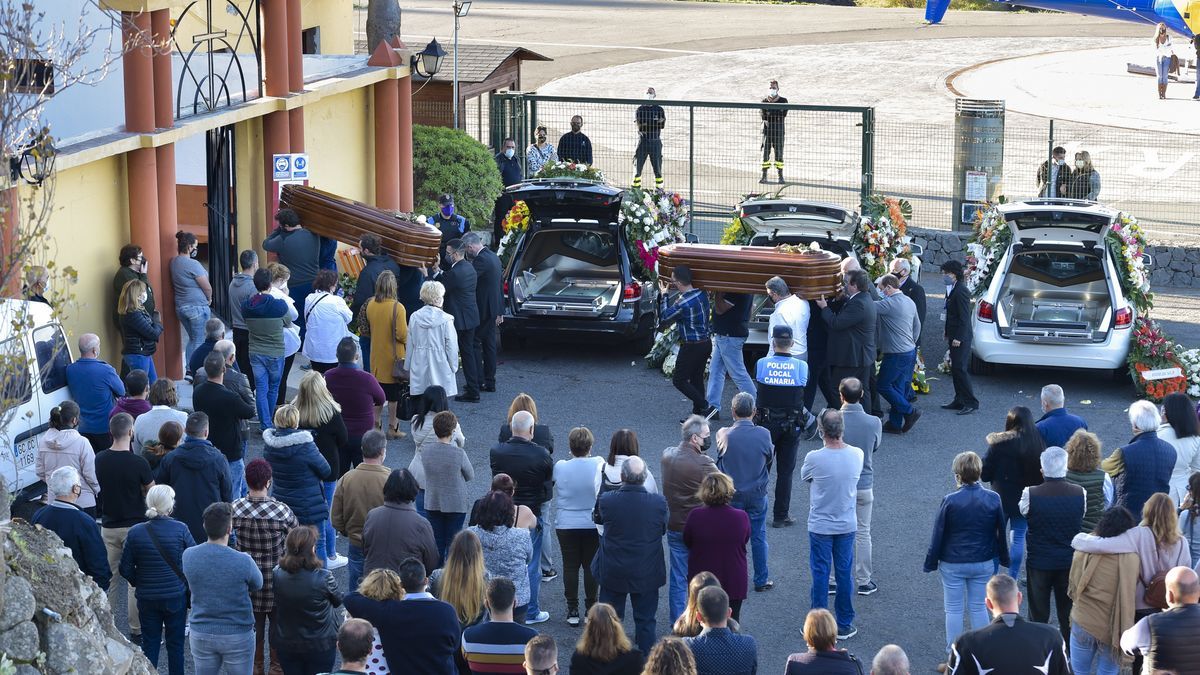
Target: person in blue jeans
[
  {"x": 684, "y": 468},
  {"x": 745, "y": 453},
  {"x": 968, "y": 537},
  {"x": 221, "y": 579},
  {"x": 833, "y": 472},
  {"x": 731, "y": 327},
  {"x": 266, "y": 317},
  {"x": 899, "y": 327},
  {"x": 139, "y": 328},
  {"x": 1011, "y": 464},
  {"x": 193, "y": 291},
  {"x": 1099, "y": 586}
]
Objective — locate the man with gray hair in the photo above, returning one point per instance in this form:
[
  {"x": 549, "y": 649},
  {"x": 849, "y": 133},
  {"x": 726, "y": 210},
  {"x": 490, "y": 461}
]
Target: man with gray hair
[
  {"x": 531, "y": 468},
  {"x": 1144, "y": 466},
  {"x": 214, "y": 331},
  {"x": 630, "y": 560},
  {"x": 1054, "y": 511},
  {"x": 684, "y": 467},
  {"x": 891, "y": 660},
  {"x": 744, "y": 451},
  {"x": 490, "y": 299},
  {"x": 833, "y": 472},
  {"x": 94, "y": 385},
  {"x": 78, "y": 530},
  {"x": 1057, "y": 425},
  {"x": 896, "y": 335},
  {"x": 790, "y": 311}
]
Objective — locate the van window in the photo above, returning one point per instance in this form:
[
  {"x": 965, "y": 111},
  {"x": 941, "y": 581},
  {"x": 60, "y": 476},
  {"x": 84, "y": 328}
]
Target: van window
[
  {"x": 53, "y": 357},
  {"x": 14, "y": 363},
  {"x": 1059, "y": 268}
]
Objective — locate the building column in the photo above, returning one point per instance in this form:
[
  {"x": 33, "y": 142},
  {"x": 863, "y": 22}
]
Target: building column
[
  {"x": 387, "y": 145},
  {"x": 170, "y": 353},
  {"x": 404, "y": 85},
  {"x": 295, "y": 41},
  {"x": 275, "y": 125}
]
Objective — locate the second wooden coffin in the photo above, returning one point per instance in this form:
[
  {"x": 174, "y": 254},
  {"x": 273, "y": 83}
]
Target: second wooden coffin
[
  {"x": 745, "y": 269},
  {"x": 408, "y": 243}
]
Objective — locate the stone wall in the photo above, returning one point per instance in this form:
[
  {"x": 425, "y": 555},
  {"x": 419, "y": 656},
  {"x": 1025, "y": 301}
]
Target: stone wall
[{"x": 1174, "y": 266}]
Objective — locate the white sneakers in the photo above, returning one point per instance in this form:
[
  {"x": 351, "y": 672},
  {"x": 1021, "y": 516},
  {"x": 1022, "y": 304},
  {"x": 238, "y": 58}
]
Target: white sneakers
[{"x": 336, "y": 562}]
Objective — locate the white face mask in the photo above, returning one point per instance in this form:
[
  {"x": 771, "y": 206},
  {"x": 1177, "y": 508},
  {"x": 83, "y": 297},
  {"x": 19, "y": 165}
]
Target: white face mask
[
  {"x": 1079, "y": 164},
  {"x": 649, "y": 96},
  {"x": 509, "y": 152},
  {"x": 772, "y": 93}
]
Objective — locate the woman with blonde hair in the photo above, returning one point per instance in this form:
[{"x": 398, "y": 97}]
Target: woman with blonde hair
[
  {"x": 297, "y": 468},
  {"x": 1085, "y": 180},
  {"x": 389, "y": 336},
  {"x": 462, "y": 581},
  {"x": 139, "y": 328},
  {"x": 1162, "y": 57},
  {"x": 687, "y": 625},
  {"x": 322, "y": 416},
  {"x": 1083, "y": 469},
  {"x": 377, "y": 595},
  {"x": 823, "y": 657},
  {"x": 670, "y": 656},
  {"x": 716, "y": 535},
  {"x": 541, "y": 433},
  {"x": 604, "y": 649},
  {"x": 432, "y": 344}
]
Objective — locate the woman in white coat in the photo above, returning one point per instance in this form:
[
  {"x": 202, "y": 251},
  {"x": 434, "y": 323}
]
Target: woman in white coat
[
  {"x": 432, "y": 344},
  {"x": 326, "y": 317}
]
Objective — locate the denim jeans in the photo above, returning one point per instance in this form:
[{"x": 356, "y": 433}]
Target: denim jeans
[
  {"x": 1019, "y": 527},
  {"x": 756, "y": 508},
  {"x": 212, "y": 653},
  {"x": 354, "y": 569},
  {"x": 327, "y": 538},
  {"x": 237, "y": 478},
  {"x": 964, "y": 587},
  {"x": 894, "y": 382},
  {"x": 836, "y": 551},
  {"x": 645, "y": 607},
  {"x": 1163, "y": 69},
  {"x": 727, "y": 357},
  {"x": 192, "y": 318},
  {"x": 678, "y": 578},
  {"x": 306, "y": 663},
  {"x": 445, "y": 526},
  {"x": 268, "y": 370},
  {"x": 535, "y": 572},
  {"x": 142, "y": 362},
  {"x": 1086, "y": 649},
  {"x": 320, "y": 528},
  {"x": 159, "y": 617}
]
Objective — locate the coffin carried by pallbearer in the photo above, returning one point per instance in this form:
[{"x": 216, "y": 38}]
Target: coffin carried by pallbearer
[
  {"x": 407, "y": 241},
  {"x": 810, "y": 273}
]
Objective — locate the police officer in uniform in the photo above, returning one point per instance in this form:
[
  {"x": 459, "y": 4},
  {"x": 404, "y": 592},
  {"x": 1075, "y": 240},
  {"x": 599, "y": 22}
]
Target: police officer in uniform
[
  {"x": 650, "y": 120},
  {"x": 772, "y": 131},
  {"x": 781, "y": 378},
  {"x": 452, "y": 225}
]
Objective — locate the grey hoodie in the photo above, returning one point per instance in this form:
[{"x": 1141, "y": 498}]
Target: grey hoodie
[
  {"x": 66, "y": 447},
  {"x": 240, "y": 290}
]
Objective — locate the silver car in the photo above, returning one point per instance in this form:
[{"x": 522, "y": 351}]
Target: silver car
[{"x": 1055, "y": 299}]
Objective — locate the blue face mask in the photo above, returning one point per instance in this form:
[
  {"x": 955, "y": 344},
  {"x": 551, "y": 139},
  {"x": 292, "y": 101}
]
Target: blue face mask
[
  {"x": 448, "y": 210},
  {"x": 948, "y": 279}
]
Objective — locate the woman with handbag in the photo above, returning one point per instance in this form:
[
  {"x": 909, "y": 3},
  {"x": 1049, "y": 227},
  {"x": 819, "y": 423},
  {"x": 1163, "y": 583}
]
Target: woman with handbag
[
  {"x": 152, "y": 562},
  {"x": 389, "y": 333},
  {"x": 326, "y": 320}
]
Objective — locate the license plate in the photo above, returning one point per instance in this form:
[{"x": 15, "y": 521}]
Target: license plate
[{"x": 26, "y": 452}]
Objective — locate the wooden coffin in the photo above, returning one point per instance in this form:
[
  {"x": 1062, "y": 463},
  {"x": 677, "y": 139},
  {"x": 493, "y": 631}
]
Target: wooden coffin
[
  {"x": 408, "y": 243},
  {"x": 745, "y": 269}
]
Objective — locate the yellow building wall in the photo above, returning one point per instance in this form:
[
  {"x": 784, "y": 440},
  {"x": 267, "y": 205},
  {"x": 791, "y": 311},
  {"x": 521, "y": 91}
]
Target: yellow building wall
[
  {"x": 335, "y": 18},
  {"x": 88, "y": 225},
  {"x": 339, "y": 137}
]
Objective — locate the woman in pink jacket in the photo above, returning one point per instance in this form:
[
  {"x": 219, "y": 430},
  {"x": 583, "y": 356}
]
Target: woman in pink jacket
[{"x": 62, "y": 445}]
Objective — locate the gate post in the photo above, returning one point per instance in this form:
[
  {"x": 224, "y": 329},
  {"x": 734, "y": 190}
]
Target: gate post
[
  {"x": 868, "y": 156},
  {"x": 691, "y": 168}
]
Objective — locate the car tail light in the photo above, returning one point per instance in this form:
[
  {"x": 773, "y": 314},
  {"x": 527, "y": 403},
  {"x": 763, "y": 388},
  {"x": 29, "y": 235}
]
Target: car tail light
[
  {"x": 987, "y": 311},
  {"x": 506, "y": 287},
  {"x": 1124, "y": 318},
  {"x": 633, "y": 292}
]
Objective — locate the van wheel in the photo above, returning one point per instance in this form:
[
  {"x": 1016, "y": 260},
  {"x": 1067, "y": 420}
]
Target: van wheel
[
  {"x": 978, "y": 366},
  {"x": 643, "y": 340}
]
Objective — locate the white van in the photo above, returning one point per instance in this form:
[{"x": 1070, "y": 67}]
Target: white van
[{"x": 34, "y": 356}]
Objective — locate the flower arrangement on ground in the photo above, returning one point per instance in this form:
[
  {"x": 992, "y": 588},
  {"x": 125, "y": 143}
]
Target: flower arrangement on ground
[
  {"x": 1151, "y": 349},
  {"x": 577, "y": 170},
  {"x": 516, "y": 221},
  {"x": 651, "y": 218},
  {"x": 665, "y": 347},
  {"x": 1128, "y": 240},
  {"x": 989, "y": 241},
  {"x": 882, "y": 235}
]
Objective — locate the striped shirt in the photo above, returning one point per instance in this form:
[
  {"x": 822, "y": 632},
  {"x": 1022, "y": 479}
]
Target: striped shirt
[
  {"x": 496, "y": 647},
  {"x": 260, "y": 527}
]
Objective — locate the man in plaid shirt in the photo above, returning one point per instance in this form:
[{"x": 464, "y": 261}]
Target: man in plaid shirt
[
  {"x": 689, "y": 309},
  {"x": 261, "y": 524}
]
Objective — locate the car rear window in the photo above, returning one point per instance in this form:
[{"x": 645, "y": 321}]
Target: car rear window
[
  {"x": 16, "y": 387},
  {"x": 1059, "y": 268}
]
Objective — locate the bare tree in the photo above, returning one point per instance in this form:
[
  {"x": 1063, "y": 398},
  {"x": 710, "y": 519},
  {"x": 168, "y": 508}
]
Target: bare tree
[{"x": 383, "y": 22}]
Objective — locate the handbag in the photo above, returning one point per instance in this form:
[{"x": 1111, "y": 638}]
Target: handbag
[
  {"x": 187, "y": 591},
  {"x": 399, "y": 367},
  {"x": 364, "y": 324},
  {"x": 1156, "y": 591},
  {"x": 605, "y": 486}
]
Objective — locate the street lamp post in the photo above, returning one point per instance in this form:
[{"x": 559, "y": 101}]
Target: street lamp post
[{"x": 461, "y": 7}]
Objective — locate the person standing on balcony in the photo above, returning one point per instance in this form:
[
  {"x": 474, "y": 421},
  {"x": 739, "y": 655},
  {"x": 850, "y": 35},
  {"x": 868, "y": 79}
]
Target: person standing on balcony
[
  {"x": 650, "y": 120},
  {"x": 772, "y": 131}
]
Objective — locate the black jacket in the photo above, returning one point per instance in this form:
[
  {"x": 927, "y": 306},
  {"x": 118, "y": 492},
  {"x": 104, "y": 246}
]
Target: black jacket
[
  {"x": 630, "y": 559},
  {"x": 575, "y": 146},
  {"x": 460, "y": 282},
  {"x": 487, "y": 285},
  {"x": 140, "y": 332},
  {"x": 628, "y": 663},
  {"x": 1011, "y": 464},
  {"x": 541, "y": 436},
  {"x": 851, "y": 332},
  {"x": 531, "y": 469},
  {"x": 304, "y": 619},
  {"x": 916, "y": 293},
  {"x": 330, "y": 438},
  {"x": 958, "y": 314},
  {"x": 365, "y": 290},
  {"x": 225, "y": 410},
  {"x": 1010, "y": 644},
  {"x": 200, "y": 476}
]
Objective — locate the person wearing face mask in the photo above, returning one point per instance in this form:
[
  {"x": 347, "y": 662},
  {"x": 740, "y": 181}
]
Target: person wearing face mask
[
  {"x": 650, "y": 120},
  {"x": 772, "y": 131},
  {"x": 140, "y": 328},
  {"x": 901, "y": 268},
  {"x": 1085, "y": 180},
  {"x": 301, "y": 252},
  {"x": 1163, "y": 54},
  {"x": 684, "y": 468},
  {"x": 575, "y": 146},
  {"x": 193, "y": 292},
  {"x": 511, "y": 174},
  {"x": 134, "y": 265},
  {"x": 540, "y": 153},
  {"x": 1053, "y": 175},
  {"x": 460, "y": 279},
  {"x": 958, "y": 333},
  {"x": 449, "y": 222}
]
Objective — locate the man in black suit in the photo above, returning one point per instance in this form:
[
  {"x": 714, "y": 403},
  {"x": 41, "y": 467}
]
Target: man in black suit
[
  {"x": 460, "y": 282},
  {"x": 958, "y": 334},
  {"x": 490, "y": 301},
  {"x": 852, "y": 331}
]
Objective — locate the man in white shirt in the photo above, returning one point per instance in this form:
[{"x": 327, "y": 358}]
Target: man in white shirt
[{"x": 790, "y": 311}]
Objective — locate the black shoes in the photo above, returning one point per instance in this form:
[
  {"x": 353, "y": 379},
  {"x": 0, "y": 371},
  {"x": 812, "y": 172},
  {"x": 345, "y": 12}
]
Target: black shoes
[
  {"x": 889, "y": 429},
  {"x": 967, "y": 410},
  {"x": 953, "y": 405},
  {"x": 490, "y": 388},
  {"x": 467, "y": 398},
  {"x": 784, "y": 522},
  {"x": 911, "y": 419},
  {"x": 764, "y": 587}
]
